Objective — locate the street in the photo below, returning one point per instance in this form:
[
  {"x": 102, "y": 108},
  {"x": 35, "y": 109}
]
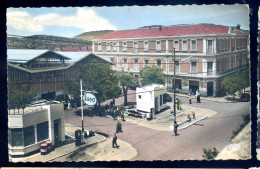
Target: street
[{"x": 215, "y": 131}]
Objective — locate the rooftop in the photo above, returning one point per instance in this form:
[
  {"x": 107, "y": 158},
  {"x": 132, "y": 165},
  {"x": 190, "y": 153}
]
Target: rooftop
[{"x": 175, "y": 30}]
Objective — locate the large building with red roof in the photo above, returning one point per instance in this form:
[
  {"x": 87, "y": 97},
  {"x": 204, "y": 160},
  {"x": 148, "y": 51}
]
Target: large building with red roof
[{"x": 205, "y": 53}]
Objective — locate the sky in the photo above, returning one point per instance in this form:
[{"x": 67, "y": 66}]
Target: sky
[{"x": 72, "y": 21}]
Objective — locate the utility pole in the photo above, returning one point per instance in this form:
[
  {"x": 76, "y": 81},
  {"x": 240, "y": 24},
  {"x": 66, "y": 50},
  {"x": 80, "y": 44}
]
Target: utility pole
[{"x": 174, "y": 88}]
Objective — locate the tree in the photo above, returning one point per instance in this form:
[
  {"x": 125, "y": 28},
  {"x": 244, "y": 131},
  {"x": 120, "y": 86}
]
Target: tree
[
  {"x": 246, "y": 81},
  {"x": 236, "y": 82},
  {"x": 96, "y": 76},
  {"x": 126, "y": 79},
  {"x": 152, "y": 75},
  {"x": 19, "y": 95}
]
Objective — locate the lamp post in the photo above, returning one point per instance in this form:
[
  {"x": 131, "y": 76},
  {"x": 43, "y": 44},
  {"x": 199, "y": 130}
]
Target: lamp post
[
  {"x": 90, "y": 100},
  {"x": 174, "y": 88},
  {"x": 81, "y": 102}
]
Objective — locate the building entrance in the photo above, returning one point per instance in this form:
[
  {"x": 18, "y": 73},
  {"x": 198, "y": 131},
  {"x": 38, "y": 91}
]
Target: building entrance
[
  {"x": 209, "y": 88},
  {"x": 193, "y": 86},
  {"x": 57, "y": 130}
]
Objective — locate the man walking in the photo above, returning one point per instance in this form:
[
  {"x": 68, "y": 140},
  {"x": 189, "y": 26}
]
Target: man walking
[{"x": 114, "y": 141}]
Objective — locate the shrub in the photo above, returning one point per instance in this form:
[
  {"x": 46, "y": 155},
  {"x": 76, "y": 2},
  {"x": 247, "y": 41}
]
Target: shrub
[{"x": 209, "y": 154}]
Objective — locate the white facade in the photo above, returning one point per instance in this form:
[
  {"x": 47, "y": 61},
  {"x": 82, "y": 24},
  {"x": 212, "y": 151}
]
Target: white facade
[
  {"x": 46, "y": 123},
  {"x": 151, "y": 96}
]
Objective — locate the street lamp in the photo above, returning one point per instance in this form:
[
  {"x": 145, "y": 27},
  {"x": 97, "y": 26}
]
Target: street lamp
[
  {"x": 174, "y": 87},
  {"x": 81, "y": 98}
]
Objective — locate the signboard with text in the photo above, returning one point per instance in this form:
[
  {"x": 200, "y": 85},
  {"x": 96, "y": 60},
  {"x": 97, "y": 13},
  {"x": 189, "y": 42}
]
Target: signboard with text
[{"x": 89, "y": 99}]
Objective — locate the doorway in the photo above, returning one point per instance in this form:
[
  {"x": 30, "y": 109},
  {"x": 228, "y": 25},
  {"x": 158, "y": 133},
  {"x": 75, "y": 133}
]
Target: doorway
[
  {"x": 193, "y": 86},
  {"x": 57, "y": 133},
  {"x": 210, "y": 88}
]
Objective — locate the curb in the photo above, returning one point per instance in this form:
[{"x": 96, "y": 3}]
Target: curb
[
  {"x": 184, "y": 127},
  {"x": 87, "y": 145},
  {"x": 208, "y": 99}
]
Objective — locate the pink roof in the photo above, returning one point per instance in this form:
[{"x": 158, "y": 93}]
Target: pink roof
[{"x": 178, "y": 30}]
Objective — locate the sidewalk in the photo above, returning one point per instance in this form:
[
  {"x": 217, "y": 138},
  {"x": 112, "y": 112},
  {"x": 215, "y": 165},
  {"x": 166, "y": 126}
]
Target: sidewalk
[
  {"x": 214, "y": 99},
  {"x": 96, "y": 148},
  {"x": 238, "y": 148},
  {"x": 164, "y": 121},
  {"x": 62, "y": 150}
]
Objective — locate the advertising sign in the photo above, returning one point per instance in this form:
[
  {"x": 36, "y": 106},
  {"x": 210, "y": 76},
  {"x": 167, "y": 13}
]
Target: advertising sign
[{"x": 90, "y": 99}]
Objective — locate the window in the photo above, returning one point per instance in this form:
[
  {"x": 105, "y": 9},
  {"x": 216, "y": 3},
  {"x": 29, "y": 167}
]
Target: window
[
  {"x": 159, "y": 62},
  {"x": 146, "y": 62},
  {"x": 146, "y": 46},
  {"x": 136, "y": 64},
  {"x": 15, "y": 137},
  {"x": 139, "y": 96},
  {"x": 158, "y": 45},
  {"x": 161, "y": 100},
  {"x": 42, "y": 131},
  {"x": 99, "y": 46},
  {"x": 29, "y": 136},
  {"x": 124, "y": 46},
  {"x": 125, "y": 64},
  {"x": 193, "y": 45},
  {"x": 210, "y": 46},
  {"x": 176, "y": 45},
  {"x": 135, "y": 47},
  {"x": 108, "y": 46},
  {"x": 210, "y": 68},
  {"x": 184, "y": 45},
  {"x": 193, "y": 67},
  {"x": 114, "y": 47},
  {"x": 177, "y": 66}
]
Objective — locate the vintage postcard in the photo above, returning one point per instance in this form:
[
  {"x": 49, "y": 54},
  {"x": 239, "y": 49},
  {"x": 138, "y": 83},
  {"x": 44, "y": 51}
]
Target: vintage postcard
[{"x": 128, "y": 83}]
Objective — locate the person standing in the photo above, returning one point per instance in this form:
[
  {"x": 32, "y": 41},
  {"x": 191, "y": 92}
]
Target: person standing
[
  {"x": 114, "y": 141},
  {"x": 190, "y": 99},
  {"x": 122, "y": 115},
  {"x": 175, "y": 128},
  {"x": 118, "y": 127}
]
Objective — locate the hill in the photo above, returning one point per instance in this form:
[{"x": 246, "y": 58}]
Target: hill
[
  {"x": 44, "y": 42},
  {"x": 88, "y": 36}
]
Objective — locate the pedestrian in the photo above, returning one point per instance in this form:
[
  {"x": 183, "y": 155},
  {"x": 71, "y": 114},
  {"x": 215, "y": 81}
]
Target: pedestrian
[
  {"x": 114, "y": 114},
  {"x": 198, "y": 96},
  {"x": 118, "y": 127},
  {"x": 188, "y": 118},
  {"x": 122, "y": 115},
  {"x": 178, "y": 103},
  {"x": 175, "y": 128},
  {"x": 190, "y": 99},
  {"x": 75, "y": 106},
  {"x": 114, "y": 102},
  {"x": 114, "y": 141},
  {"x": 68, "y": 105},
  {"x": 193, "y": 115}
]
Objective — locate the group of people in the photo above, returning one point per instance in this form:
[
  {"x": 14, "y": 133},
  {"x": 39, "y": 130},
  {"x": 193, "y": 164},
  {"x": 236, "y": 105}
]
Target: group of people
[{"x": 197, "y": 95}]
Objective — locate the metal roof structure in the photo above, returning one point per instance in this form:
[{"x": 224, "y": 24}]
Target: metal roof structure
[{"x": 25, "y": 55}]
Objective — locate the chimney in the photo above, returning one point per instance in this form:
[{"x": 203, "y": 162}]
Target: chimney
[{"x": 160, "y": 28}]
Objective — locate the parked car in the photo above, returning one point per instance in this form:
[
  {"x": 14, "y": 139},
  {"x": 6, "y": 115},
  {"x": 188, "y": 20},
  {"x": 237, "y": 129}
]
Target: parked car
[
  {"x": 133, "y": 112},
  {"x": 245, "y": 97}
]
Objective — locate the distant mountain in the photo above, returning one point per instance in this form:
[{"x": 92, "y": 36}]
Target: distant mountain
[
  {"x": 88, "y": 36},
  {"x": 44, "y": 42}
]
